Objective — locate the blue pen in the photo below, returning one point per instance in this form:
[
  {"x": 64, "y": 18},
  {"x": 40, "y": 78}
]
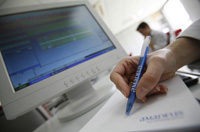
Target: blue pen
[{"x": 138, "y": 74}]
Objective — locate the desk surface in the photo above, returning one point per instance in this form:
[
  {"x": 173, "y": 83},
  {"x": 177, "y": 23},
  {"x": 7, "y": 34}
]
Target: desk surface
[
  {"x": 75, "y": 125},
  {"x": 53, "y": 124}
]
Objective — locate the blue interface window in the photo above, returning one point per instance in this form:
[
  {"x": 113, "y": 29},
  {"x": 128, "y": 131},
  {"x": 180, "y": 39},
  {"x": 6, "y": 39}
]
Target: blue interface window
[{"x": 38, "y": 45}]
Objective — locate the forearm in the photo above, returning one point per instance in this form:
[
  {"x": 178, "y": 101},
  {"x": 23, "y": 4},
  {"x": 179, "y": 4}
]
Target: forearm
[{"x": 185, "y": 50}]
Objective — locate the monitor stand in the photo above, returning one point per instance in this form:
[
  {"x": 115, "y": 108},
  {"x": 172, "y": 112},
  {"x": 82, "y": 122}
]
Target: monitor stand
[{"x": 84, "y": 98}]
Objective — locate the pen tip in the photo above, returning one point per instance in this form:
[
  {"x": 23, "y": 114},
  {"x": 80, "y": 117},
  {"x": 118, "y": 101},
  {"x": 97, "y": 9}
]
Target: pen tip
[{"x": 127, "y": 111}]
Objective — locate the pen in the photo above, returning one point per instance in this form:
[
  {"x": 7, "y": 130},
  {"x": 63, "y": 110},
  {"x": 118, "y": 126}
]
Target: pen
[{"x": 138, "y": 74}]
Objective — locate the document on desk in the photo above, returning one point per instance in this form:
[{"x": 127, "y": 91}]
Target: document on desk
[{"x": 177, "y": 109}]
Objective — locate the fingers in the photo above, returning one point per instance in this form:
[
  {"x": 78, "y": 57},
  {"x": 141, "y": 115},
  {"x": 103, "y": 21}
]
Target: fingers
[
  {"x": 141, "y": 100},
  {"x": 160, "y": 67},
  {"x": 118, "y": 76},
  {"x": 159, "y": 89},
  {"x": 123, "y": 74},
  {"x": 150, "y": 79},
  {"x": 120, "y": 83}
]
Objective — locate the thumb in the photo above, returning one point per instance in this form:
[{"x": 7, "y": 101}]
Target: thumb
[{"x": 150, "y": 79}]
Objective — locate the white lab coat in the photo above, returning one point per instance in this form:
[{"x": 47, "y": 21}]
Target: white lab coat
[{"x": 193, "y": 31}]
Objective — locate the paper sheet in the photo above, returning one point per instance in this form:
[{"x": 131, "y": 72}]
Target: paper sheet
[{"x": 174, "y": 110}]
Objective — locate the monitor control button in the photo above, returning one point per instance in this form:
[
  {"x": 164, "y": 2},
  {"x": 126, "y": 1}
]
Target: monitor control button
[
  {"x": 97, "y": 68},
  {"x": 83, "y": 75},
  {"x": 87, "y": 72},
  {"x": 71, "y": 80},
  {"x": 66, "y": 84},
  {"x": 77, "y": 77},
  {"x": 93, "y": 70}
]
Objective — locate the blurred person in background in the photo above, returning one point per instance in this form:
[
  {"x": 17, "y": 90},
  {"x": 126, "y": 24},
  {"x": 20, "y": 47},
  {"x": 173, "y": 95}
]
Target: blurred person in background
[
  {"x": 161, "y": 65},
  {"x": 158, "y": 39}
]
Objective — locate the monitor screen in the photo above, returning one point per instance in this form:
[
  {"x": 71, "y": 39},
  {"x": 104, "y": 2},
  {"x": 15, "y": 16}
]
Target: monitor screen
[
  {"x": 37, "y": 45},
  {"x": 53, "y": 49}
]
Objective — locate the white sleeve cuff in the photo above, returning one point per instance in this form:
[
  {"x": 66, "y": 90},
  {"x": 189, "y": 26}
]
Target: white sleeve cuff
[{"x": 193, "y": 31}]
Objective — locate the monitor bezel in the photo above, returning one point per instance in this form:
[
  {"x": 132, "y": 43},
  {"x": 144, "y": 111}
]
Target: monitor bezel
[{"x": 10, "y": 99}]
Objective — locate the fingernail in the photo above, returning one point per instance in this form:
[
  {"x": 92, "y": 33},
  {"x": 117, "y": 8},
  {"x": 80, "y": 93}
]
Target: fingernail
[
  {"x": 139, "y": 96},
  {"x": 166, "y": 90},
  {"x": 142, "y": 92},
  {"x": 158, "y": 88},
  {"x": 144, "y": 100}
]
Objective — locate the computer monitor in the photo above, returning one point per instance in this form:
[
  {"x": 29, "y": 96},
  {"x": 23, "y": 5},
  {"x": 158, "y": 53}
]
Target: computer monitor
[{"x": 52, "y": 49}]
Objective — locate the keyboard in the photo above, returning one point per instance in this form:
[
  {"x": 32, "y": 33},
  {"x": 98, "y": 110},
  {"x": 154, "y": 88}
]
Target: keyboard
[{"x": 189, "y": 80}]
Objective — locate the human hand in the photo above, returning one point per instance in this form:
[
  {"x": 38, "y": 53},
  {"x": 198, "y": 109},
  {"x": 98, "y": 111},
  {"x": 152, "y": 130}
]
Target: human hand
[{"x": 160, "y": 66}]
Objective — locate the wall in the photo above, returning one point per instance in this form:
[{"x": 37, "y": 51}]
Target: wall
[
  {"x": 132, "y": 41},
  {"x": 193, "y": 8}
]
